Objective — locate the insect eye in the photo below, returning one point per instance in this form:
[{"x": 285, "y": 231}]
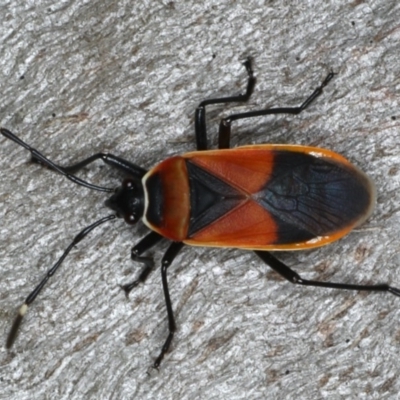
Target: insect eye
[
  {"x": 130, "y": 219},
  {"x": 128, "y": 184}
]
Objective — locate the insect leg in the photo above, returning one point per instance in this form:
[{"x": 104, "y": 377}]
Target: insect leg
[
  {"x": 167, "y": 260},
  {"x": 146, "y": 243},
  {"x": 200, "y": 114},
  {"x": 225, "y": 124},
  {"x": 295, "y": 278}
]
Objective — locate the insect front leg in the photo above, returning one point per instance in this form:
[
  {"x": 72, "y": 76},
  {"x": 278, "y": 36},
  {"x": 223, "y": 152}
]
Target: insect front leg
[
  {"x": 295, "y": 278},
  {"x": 145, "y": 244}
]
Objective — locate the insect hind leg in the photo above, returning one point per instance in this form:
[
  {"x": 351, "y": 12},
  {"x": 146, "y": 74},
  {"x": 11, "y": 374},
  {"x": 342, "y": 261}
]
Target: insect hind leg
[
  {"x": 293, "y": 277},
  {"x": 224, "y": 133}
]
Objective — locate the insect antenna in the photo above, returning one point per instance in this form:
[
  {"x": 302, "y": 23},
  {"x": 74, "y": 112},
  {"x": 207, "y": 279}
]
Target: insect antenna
[
  {"x": 32, "y": 296},
  {"x": 45, "y": 161}
]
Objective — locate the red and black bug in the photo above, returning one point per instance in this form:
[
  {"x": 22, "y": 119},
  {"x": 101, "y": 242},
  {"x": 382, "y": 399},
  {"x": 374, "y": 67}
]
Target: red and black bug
[{"x": 260, "y": 197}]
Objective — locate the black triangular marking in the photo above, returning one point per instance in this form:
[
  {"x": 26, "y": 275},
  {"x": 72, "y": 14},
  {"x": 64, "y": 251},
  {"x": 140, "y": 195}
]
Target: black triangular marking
[{"x": 210, "y": 197}]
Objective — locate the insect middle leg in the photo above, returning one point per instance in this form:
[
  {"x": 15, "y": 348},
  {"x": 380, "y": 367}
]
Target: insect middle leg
[
  {"x": 200, "y": 114},
  {"x": 146, "y": 243},
  {"x": 295, "y": 278},
  {"x": 224, "y": 133},
  {"x": 167, "y": 260}
]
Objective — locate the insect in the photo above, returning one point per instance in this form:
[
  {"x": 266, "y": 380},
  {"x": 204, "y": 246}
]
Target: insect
[{"x": 259, "y": 197}]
